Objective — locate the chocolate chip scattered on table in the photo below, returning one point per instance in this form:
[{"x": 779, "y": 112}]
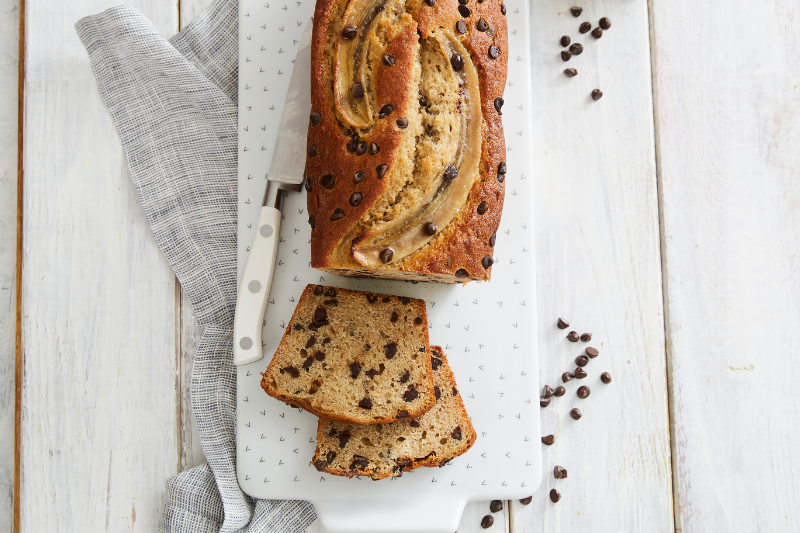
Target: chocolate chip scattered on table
[
  {"x": 496, "y": 506},
  {"x": 548, "y": 440},
  {"x": 586, "y": 337},
  {"x": 605, "y": 377},
  {"x": 583, "y": 392},
  {"x": 572, "y": 336},
  {"x": 575, "y": 413},
  {"x": 597, "y": 94},
  {"x": 570, "y": 73},
  {"x": 576, "y": 11},
  {"x": 554, "y": 495},
  {"x": 487, "y": 521},
  {"x": 562, "y": 324},
  {"x": 580, "y": 373},
  {"x": 559, "y": 472},
  {"x": 526, "y": 501}
]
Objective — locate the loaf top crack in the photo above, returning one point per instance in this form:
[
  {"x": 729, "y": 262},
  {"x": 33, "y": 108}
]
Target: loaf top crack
[
  {"x": 354, "y": 356},
  {"x": 406, "y": 168}
]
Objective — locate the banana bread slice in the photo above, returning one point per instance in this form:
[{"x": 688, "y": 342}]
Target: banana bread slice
[
  {"x": 354, "y": 357},
  {"x": 385, "y": 450},
  {"x": 406, "y": 157}
]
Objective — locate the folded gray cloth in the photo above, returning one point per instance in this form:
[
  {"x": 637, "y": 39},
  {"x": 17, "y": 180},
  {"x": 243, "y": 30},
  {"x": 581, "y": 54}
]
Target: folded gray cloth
[{"x": 174, "y": 106}]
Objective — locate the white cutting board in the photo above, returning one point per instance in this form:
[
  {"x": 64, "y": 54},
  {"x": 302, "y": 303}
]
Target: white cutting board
[{"x": 488, "y": 330}]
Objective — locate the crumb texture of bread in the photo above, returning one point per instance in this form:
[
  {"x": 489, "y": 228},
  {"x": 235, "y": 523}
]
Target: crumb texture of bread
[
  {"x": 353, "y": 356},
  {"x": 387, "y": 450},
  {"x": 405, "y": 174}
]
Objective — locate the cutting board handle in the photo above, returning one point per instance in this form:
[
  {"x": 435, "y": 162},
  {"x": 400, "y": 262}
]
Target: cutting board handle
[{"x": 421, "y": 515}]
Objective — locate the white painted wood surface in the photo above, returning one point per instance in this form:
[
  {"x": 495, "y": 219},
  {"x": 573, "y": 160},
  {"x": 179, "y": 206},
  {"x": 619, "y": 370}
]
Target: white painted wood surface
[
  {"x": 598, "y": 266},
  {"x": 728, "y": 108},
  {"x": 9, "y": 56},
  {"x": 101, "y": 391}
]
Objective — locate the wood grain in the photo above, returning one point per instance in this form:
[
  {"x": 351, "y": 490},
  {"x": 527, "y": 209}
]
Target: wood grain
[
  {"x": 9, "y": 96},
  {"x": 729, "y": 132},
  {"x": 101, "y": 388},
  {"x": 598, "y": 266}
]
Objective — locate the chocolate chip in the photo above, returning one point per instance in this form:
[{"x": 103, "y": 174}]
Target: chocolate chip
[
  {"x": 315, "y": 118},
  {"x": 583, "y": 392},
  {"x": 357, "y": 90},
  {"x": 437, "y": 392},
  {"x": 526, "y": 501},
  {"x": 570, "y": 72},
  {"x": 544, "y": 402},
  {"x": 461, "y": 26},
  {"x": 597, "y": 33},
  {"x": 572, "y": 336},
  {"x": 597, "y": 94},
  {"x": 381, "y": 170},
  {"x": 461, "y": 273},
  {"x": 435, "y": 362},
  {"x": 312, "y": 327},
  {"x": 496, "y": 506},
  {"x": 319, "y": 355},
  {"x": 356, "y": 198},
  {"x": 390, "y": 350},
  {"x": 311, "y": 341},
  {"x": 562, "y": 324},
  {"x": 386, "y": 299},
  {"x": 388, "y": 60},
  {"x": 576, "y": 49},
  {"x": 585, "y": 27},
  {"x": 494, "y": 52},
  {"x": 464, "y": 11},
  {"x": 559, "y": 472},
  {"x": 493, "y": 239},
  {"x": 395, "y": 316},
  {"x": 455, "y": 392},
  {"x": 349, "y": 32},
  {"x": 411, "y": 394},
  {"x": 298, "y": 327},
  {"x": 487, "y": 521},
  {"x": 559, "y": 391},
  {"x": 314, "y": 386},
  {"x": 405, "y": 300},
  {"x": 358, "y": 177},
  {"x": 575, "y": 414},
  {"x": 456, "y": 61},
  {"x": 352, "y": 144},
  {"x": 311, "y": 221},
  {"x": 317, "y": 290},
  {"x": 372, "y": 373},
  {"x": 308, "y": 362},
  {"x": 320, "y": 465},
  {"x": 547, "y": 392},
  {"x": 580, "y": 373},
  {"x": 487, "y": 261},
  {"x": 430, "y": 2},
  {"x": 501, "y": 172},
  {"x": 320, "y": 315},
  {"x": 365, "y": 403},
  {"x": 463, "y": 2},
  {"x": 586, "y": 337},
  {"x": 374, "y": 149},
  {"x": 565, "y": 40},
  {"x": 605, "y": 377},
  {"x": 503, "y": 9},
  {"x": 386, "y": 255},
  {"x": 554, "y": 495},
  {"x": 312, "y": 152},
  {"x": 456, "y": 434},
  {"x": 482, "y": 25},
  {"x": 402, "y": 123},
  {"x": 581, "y": 360},
  {"x": 605, "y": 23},
  {"x": 330, "y": 456},
  {"x": 291, "y": 370},
  {"x": 482, "y": 208},
  {"x": 386, "y": 111},
  {"x": 414, "y": 423},
  {"x": 423, "y": 102},
  {"x": 338, "y": 214},
  {"x": 309, "y": 184},
  {"x": 361, "y": 149},
  {"x": 565, "y": 55},
  {"x": 429, "y": 228},
  {"x": 576, "y": 11},
  {"x": 355, "y": 369},
  {"x": 418, "y": 320},
  {"x": 548, "y": 440},
  {"x": 406, "y": 375},
  {"x": 330, "y": 291},
  {"x": 343, "y": 439},
  {"x": 443, "y": 462},
  {"x": 498, "y": 105},
  {"x": 567, "y": 376},
  {"x": 450, "y": 172},
  {"x": 591, "y": 352},
  {"x": 328, "y": 181},
  {"x": 359, "y": 462}
]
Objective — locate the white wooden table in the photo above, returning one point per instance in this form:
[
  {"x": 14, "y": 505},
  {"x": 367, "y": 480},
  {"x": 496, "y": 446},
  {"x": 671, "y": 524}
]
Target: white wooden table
[{"x": 668, "y": 223}]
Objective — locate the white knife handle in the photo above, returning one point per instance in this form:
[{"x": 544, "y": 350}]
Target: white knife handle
[{"x": 254, "y": 288}]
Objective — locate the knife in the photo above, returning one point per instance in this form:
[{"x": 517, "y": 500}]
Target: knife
[{"x": 285, "y": 174}]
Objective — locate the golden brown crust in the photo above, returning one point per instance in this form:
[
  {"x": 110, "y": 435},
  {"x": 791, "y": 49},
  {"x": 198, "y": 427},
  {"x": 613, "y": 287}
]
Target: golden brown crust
[
  {"x": 286, "y": 355},
  {"x": 464, "y": 243}
]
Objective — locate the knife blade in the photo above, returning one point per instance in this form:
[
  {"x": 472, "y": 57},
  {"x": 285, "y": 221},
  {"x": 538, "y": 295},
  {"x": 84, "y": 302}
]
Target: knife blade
[{"x": 285, "y": 174}]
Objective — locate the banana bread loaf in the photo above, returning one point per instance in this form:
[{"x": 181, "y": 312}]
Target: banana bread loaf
[
  {"x": 406, "y": 157},
  {"x": 384, "y": 450},
  {"x": 354, "y": 356}
]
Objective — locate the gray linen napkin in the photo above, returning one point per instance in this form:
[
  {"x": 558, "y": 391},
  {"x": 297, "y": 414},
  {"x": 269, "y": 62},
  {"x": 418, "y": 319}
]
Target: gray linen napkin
[{"x": 174, "y": 105}]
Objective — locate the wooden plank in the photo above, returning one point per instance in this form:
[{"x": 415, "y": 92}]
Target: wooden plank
[
  {"x": 191, "y": 451},
  {"x": 729, "y": 132},
  {"x": 9, "y": 62},
  {"x": 100, "y": 431},
  {"x": 598, "y": 266}
]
